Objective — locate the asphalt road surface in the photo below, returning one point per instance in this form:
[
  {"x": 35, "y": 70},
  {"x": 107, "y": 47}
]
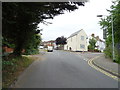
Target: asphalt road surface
[{"x": 61, "y": 69}]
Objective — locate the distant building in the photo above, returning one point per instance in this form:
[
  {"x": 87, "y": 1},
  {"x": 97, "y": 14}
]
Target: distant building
[
  {"x": 77, "y": 41},
  {"x": 7, "y": 49},
  {"x": 49, "y": 43},
  {"x": 100, "y": 44}
]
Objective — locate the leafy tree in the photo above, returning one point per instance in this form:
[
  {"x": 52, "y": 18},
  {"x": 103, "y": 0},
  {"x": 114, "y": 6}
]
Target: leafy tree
[
  {"x": 61, "y": 40},
  {"x": 32, "y": 47},
  {"x": 5, "y": 42},
  {"x": 106, "y": 23},
  {"x": 20, "y": 19},
  {"x": 92, "y": 43}
]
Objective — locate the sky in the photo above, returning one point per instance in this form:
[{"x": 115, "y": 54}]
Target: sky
[{"x": 83, "y": 18}]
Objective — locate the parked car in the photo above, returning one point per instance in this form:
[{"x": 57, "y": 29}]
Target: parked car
[
  {"x": 50, "y": 49},
  {"x": 41, "y": 47}
]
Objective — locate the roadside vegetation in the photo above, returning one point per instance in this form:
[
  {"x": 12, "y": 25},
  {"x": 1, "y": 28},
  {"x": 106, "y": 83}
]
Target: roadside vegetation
[
  {"x": 91, "y": 46},
  {"x": 106, "y": 25},
  {"x": 12, "y": 67}
]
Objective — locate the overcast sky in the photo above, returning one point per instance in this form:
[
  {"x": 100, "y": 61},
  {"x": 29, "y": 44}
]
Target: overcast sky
[{"x": 82, "y": 18}]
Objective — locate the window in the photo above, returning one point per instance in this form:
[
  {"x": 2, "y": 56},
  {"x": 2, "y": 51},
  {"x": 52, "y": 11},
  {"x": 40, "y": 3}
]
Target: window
[
  {"x": 82, "y": 37},
  {"x": 82, "y": 46}
]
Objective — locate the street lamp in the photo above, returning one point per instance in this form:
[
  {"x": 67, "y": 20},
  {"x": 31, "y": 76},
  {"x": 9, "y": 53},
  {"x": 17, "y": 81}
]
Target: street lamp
[{"x": 112, "y": 35}]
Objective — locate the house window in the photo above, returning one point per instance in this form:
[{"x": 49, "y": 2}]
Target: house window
[
  {"x": 82, "y": 46},
  {"x": 82, "y": 37}
]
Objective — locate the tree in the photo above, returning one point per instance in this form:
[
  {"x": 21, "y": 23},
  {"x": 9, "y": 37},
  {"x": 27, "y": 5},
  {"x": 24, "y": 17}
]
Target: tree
[
  {"x": 61, "y": 40},
  {"x": 92, "y": 43},
  {"x": 32, "y": 47},
  {"x": 106, "y": 23},
  {"x": 20, "y": 19}
]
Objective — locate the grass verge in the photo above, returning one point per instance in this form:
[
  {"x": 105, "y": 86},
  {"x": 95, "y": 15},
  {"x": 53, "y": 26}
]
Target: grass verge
[{"x": 12, "y": 67}]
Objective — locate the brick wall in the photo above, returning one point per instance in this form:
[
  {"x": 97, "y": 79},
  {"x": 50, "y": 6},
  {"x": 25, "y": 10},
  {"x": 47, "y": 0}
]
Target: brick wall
[{"x": 10, "y": 50}]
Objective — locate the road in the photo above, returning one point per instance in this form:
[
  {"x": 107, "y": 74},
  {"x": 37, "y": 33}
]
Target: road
[{"x": 61, "y": 69}]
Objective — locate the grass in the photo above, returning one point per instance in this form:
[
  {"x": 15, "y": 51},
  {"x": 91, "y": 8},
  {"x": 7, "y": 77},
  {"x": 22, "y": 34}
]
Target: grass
[{"x": 12, "y": 67}]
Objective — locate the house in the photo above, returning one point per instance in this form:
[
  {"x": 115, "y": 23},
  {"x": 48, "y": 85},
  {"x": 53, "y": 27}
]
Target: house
[
  {"x": 49, "y": 43},
  {"x": 77, "y": 41},
  {"x": 100, "y": 44}
]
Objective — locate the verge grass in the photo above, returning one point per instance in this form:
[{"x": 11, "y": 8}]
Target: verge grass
[{"x": 12, "y": 67}]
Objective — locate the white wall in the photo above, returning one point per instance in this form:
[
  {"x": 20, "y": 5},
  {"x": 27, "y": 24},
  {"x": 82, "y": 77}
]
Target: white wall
[
  {"x": 75, "y": 41},
  {"x": 82, "y": 42},
  {"x": 101, "y": 45}
]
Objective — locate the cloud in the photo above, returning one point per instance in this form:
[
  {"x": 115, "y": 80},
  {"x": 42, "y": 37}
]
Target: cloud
[{"x": 83, "y": 18}]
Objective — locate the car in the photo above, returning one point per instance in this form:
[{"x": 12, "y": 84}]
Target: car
[
  {"x": 50, "y": 49},
  {"x": 41, "y": 47}
]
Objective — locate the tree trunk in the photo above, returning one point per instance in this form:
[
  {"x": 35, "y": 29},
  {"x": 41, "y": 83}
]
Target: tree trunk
[{"x": 18, "y": 50}]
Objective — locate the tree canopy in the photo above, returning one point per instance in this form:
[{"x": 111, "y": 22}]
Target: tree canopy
[
  {"x": 20, "y": 19},
  {"x": 61, "y": 40},
  {"x": 92, "y": 43}
]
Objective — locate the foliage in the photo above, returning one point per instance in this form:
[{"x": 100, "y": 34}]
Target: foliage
[
  {"x": 106, "y": 23},
  {"x": 5, "y": 42},
  {"x": 20, "y": 19},
  {"x": 96, "y": 50},
  {"x": 61, "y": 40},
  {"x": 32, "y": 47},
  {"x": 91, "y": 45},
  {"x": 12, "y": 67}
]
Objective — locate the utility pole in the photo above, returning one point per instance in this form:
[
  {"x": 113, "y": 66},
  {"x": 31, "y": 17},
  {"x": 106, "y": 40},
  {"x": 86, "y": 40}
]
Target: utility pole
[
  {"x": 113, "y": 51},
  {"x": 113, "y": 39}
]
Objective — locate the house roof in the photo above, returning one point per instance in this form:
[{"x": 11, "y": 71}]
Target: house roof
[
  {"x": 98, "y": 39},
  {"x": 51, "y": 41},
  {"x": 74, "y": 33}
]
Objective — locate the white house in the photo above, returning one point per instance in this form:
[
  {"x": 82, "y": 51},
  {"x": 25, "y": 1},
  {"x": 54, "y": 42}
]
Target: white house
[
  {"x": 77, "y": 41},
  {"x": 100, "y": 44}
]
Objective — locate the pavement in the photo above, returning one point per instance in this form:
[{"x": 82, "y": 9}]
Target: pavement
[
  {"x": 107, "y": 64},
  {"x": 101, "y": 62}
]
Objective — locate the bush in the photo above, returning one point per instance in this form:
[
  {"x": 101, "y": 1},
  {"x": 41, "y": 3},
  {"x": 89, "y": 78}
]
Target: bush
[
  {"x": 117, "y": 56},
  {"x": 108, "y": 51},
  {"x": 96, "y": 50},
  {"x": 12, "y": 67},
  {"x": 31, "y": 51},
  {"x": 118, "y": 59}
]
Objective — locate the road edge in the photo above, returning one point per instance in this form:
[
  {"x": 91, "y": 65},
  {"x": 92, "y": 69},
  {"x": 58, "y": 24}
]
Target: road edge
[{"x": 102, "y": 69}]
